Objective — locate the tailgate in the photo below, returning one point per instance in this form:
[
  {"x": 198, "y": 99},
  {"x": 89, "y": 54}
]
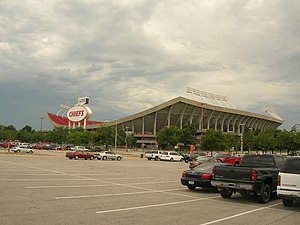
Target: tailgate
[
  {"x": 232, "y": 173},
  {"x": 290, "y": 181}
]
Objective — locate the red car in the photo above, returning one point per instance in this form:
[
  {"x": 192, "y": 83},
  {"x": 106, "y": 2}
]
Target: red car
[
  {"x": 200, "y": 160},
  {"x": 80, "y": 154},
  {"x": 226, "y": 157}
]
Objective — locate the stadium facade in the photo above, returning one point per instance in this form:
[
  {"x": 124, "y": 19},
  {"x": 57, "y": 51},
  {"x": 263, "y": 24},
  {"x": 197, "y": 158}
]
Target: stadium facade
[{"x": 178, "y": 112}]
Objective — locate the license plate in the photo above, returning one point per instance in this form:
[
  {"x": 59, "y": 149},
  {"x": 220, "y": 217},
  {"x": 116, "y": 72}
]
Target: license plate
[{"x": 192, "y": 182}]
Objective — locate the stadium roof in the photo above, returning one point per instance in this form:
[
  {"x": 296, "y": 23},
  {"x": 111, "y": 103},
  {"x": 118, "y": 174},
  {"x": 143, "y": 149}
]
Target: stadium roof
[{"x": 181, "y": 111}]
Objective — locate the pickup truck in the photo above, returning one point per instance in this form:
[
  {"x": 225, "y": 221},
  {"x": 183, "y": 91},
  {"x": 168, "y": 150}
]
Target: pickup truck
[
  {"x": 226, "y": 157},
  {"x": 153, "y": 154},
  {"x": 288, "y": 187},
  {"x": 257, "y": 175},
  {"x": 80, "y": 154}
]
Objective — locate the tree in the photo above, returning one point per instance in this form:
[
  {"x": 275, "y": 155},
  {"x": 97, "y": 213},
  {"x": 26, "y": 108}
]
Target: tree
[
  {"x": 168, "y": 137},
  {"x": 27, "y": 129},
  {"x": 187, "y": 135},
  {"x": 213, "y": 140},
  {"x": 105, "y": 136}
]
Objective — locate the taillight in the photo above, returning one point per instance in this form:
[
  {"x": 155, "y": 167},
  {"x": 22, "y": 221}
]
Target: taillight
[
  {"x": 205, "y": 176},
  {"x": 183, "y": 174},
  {"x": 278, "y": 180},
  {"x": 253, "y": 175}
]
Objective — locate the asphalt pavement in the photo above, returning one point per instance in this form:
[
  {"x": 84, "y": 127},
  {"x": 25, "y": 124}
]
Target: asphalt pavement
[{"x": 45, "y": 188}]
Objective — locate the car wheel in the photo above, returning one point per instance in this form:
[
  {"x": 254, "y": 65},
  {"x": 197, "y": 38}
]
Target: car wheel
[
  {"x": 236, "y": 164},
  {"x": 287, "y": 202},
  {"x": 119, "y": 158},
  {"x": 99, "y": 158},
  {"x": 226, "y": 193},
  {"x": 265, "y": 194},
  {"x": 92, "y": 157},
  {"x": 30, "y": 151},
  {"x": 156, "y": 158},
  {"x": 191, "y": 187},
  {"x": 172, "y": 160},
  {"x": 104, "y": 158},
  {"x": 76, "y": 157}
]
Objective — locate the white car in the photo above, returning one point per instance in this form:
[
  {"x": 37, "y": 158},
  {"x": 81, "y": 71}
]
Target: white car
[
  {"x": 22, "y": 148},
  {"x": 288, "y": 188},
  {"x": 108, "y": 155},
  {"x": 171, "y": 156}
]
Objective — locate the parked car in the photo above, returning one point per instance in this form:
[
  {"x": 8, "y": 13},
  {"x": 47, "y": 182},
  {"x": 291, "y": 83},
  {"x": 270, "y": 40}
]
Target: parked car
[
  {"x": 108, "y": 155},
  {"x": 226, "y": 157},
  {"x": 200, "y": 160},
  {"x": 200, "y": 176},
  {"x": 22, "y": 148},
  {"x": 257, "y": 175},
  {"x": 80, "y": 155},
  {"x": 153, "y": 154},
  {"x": 191, "y": 156},
  {"x": 288, "y": 186},
  {"x": 171, "y": 156}
]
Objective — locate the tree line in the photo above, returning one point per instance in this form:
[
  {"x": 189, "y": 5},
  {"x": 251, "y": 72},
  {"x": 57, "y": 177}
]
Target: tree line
[{"x": 273, "y": 140}]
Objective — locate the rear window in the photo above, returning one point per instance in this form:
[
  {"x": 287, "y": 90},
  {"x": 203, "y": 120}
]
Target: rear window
[
  {"x": 258, "y": 161},
  {"x": 292, "y": 165}
]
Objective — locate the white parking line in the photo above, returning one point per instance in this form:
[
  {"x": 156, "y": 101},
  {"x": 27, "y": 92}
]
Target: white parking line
[
  {"x": 118, "y": 194},
  {"x": 95, "y": 185},
  {"x": 156, "y": 205},
  {"x": 23, "y": 179},
  {"x": 239, "y": 214}
]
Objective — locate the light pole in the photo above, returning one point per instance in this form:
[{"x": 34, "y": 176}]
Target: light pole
[
  {"x": 42, "y": 117},
  {"x": 116, "y": 136},
  {"x": 242, "y": 134},
  {"x": 126, "y": 132}
]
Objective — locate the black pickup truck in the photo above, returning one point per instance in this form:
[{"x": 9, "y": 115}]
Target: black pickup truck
[{"x": 256, "y": 175}]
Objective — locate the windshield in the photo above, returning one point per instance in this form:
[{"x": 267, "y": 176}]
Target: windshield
[
  {"x": 258, "y": 161},
  {"x": 292, "y": 165}
]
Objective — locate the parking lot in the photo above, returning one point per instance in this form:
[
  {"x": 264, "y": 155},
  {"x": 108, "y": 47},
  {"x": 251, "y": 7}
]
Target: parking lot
[{"x": 50, "y": 189}]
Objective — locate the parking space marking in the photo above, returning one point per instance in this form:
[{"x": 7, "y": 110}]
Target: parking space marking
[
  {"x": 95, "y": 185},
  {"x": 25, "y": 179},
  {"x": 119, "y": 194},
  {"x": 240, "y": 214},
  {"x": 155, "y": 205}
]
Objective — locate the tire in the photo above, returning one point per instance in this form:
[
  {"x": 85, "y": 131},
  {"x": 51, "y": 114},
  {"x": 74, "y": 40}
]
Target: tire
[
  {"x": 191, "y": 187},
  {"x": 119, "y": 158},
  {"x": 226, "y": 193},
  {"x": 265, "y": 194},
  {"x": 30, "y": 151},
  {"x": 287, "y": 202},
  {"x": 99, "y": 158},
  {"x": 76, "y": 157},
  {"x": 172, "y": 160},
  {"x": 236, "y": 164},
  {"x": 92, "y": 158},
  {"x": 156, "y": 158},
  {"x": 104, "y": 157},
  {"x": 149, "y": 158}
]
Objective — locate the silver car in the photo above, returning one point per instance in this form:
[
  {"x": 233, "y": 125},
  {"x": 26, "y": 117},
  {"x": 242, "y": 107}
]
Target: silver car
[
  {"x": 108, "y": 155},
  {"x": 21, "y": 148}
]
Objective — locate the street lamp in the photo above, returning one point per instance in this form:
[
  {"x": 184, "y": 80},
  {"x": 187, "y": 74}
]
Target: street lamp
[
  {"x": 42, "y": 117},
  {"x": 116, "y": 136},
  {"x": 242, "y": 134}
]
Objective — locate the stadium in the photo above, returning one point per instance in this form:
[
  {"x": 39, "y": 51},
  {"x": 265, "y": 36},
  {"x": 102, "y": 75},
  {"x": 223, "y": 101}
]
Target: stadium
[{"x": 178, "y": 112}]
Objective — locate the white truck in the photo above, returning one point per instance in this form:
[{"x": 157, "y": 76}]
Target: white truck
[
  {"x": 153, "y": 154},
  {"x": 288, "y": 187}
]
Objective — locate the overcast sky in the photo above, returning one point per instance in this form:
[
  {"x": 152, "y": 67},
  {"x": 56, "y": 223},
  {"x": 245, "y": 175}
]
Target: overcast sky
[{"x": 130, "y": 55}]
